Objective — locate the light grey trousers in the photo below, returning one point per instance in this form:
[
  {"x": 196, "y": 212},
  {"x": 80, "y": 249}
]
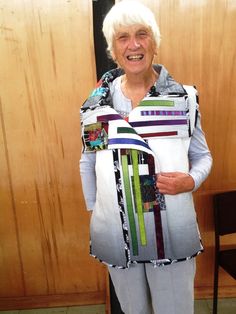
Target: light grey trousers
[{"x": 145, "y": 289}]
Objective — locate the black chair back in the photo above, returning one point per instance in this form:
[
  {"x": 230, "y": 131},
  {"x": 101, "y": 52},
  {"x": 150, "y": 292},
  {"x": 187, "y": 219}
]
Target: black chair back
[
  {"x": 225, "y": 223},
  {"x": 225, "y": 212}
]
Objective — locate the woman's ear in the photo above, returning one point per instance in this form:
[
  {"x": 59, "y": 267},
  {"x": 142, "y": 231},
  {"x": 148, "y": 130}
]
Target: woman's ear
[
  {"x": 113, "y": 56},
  {"x": 155, "y": 48},
  {"x": 155, "y": 55}
]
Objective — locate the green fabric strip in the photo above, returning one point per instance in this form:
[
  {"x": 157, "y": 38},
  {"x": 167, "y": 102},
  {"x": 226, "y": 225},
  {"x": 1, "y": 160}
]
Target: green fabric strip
[
  {"x": 125, "y": 130},
  {"x": 138, "y": 197},
  {"x": 125, "y": 171},
  {"x": 156, "y": 102}
]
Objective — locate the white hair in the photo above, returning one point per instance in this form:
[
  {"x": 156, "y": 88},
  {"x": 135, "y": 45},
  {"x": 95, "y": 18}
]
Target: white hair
[{"x": 126, "y": 13}]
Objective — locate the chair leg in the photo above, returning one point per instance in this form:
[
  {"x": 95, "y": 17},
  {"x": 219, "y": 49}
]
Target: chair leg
[{"x": 215, "y": 295}]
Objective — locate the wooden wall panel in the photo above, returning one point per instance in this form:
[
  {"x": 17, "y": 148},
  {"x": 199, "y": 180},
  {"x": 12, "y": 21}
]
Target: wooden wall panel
[{"x": 47, "y": 70}]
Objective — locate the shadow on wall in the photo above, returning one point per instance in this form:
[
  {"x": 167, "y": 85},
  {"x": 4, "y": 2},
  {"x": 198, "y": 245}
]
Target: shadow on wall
[{"x": 103, "y": 63}]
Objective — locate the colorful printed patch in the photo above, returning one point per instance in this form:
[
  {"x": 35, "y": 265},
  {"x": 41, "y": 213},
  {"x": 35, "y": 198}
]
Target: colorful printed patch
[
  {"x": 147, "y": 185},
  {"x": 98, "y": 92},
  {"x": 95, "y": 136}
]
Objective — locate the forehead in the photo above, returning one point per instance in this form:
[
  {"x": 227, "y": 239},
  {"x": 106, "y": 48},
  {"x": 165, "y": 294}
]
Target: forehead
[{"x": 131, "y": 29}]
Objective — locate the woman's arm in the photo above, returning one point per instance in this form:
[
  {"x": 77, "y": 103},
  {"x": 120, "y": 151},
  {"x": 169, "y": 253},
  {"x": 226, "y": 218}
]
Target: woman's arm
[
  {"x": 88, "y": 178},
  {"x": 199, "y": 156},
  {"x": 200, "y": 165}
]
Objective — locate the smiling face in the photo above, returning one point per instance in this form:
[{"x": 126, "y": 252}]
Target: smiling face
[{"x": 134, "y": 49}]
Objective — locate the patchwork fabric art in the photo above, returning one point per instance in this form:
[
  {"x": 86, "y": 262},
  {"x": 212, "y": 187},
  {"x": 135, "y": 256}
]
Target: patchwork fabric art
[{"x": 132, "y": 221}]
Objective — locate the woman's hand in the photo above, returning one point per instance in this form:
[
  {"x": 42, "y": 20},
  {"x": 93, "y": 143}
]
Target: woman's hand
[{"x": 174, "y": 182}]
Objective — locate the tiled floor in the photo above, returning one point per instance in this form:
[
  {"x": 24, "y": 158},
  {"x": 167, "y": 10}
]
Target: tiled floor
[{"x": 225, "y": 306}]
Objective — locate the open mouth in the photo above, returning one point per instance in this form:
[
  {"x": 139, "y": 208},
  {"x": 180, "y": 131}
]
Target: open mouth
[{"x": 137, "y": 57}]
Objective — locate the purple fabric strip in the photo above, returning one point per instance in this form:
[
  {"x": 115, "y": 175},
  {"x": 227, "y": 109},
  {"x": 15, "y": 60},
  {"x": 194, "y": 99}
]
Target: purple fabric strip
[
  {"x": 113, "y": 141},
  {"x": 158, "y": 122},
  {"x": 108, "y": 117},
  {"x": 159, "y": 232}
]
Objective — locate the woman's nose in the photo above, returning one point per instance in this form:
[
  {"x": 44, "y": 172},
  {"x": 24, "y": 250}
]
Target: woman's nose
[{"x": 134, "y": 43}]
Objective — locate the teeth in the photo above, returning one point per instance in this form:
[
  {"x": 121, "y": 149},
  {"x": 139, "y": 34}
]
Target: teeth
[{"x": 135, "y": 57}]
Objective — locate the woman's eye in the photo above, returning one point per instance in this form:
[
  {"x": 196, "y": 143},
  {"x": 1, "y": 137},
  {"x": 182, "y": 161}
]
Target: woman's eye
[
  {"x": 122, "y": 37},
  {"x": 142, "y": 34}
]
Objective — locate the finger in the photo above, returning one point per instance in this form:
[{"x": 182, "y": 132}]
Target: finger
[
  {"x": 162, "y": 187},
  {"x": 169, "y": 174},
  {"x": 166, "y": 180}
]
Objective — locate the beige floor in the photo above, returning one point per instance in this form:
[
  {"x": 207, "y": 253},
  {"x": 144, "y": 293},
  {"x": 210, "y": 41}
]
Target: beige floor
[{"x": 225, "y": 306}]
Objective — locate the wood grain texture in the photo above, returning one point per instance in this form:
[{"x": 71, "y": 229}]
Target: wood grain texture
[{"x": 47, "y": 70}]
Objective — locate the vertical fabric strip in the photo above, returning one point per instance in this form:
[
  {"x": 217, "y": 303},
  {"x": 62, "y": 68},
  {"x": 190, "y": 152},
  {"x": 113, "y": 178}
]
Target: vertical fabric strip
[
  {"x": 120, "y": 197},
  {"x": 128, "y": 196},
  {"x": 159, "y": 234},
  {"x": 138, "y": 197}
]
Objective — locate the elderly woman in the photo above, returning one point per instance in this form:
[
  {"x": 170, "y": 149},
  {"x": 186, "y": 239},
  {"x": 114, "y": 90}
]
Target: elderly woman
[{"x": 144, "y": 153}]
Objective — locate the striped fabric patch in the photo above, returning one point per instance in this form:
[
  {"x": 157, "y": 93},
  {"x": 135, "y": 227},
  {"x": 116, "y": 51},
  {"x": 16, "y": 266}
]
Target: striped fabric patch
[
  {"x": 138, "y": 197},
  {"x": 163, "y": 113},
  {"x": 128, "y": 196}
]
